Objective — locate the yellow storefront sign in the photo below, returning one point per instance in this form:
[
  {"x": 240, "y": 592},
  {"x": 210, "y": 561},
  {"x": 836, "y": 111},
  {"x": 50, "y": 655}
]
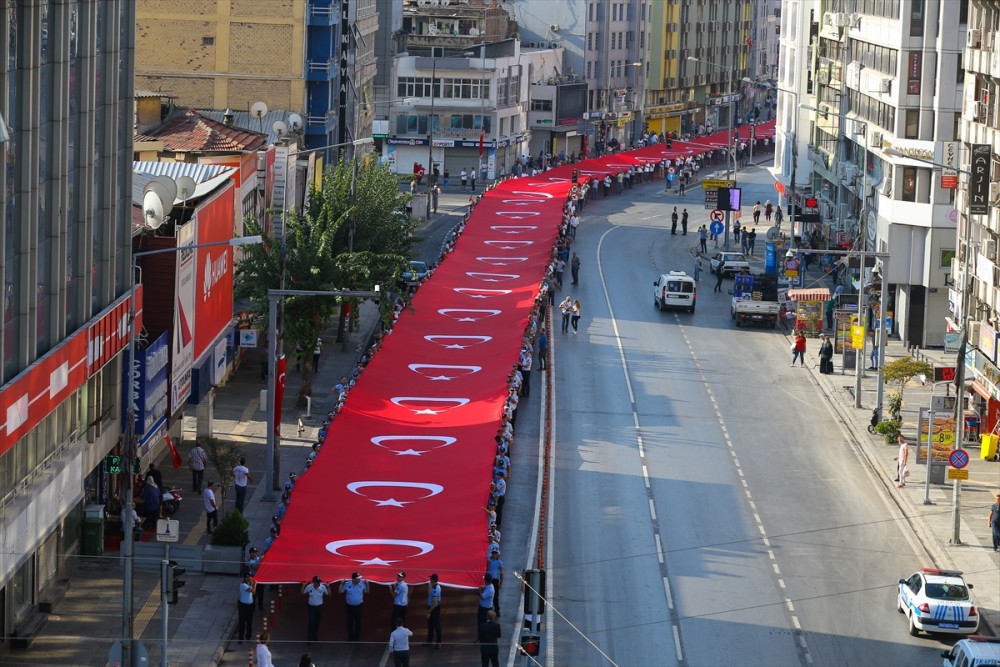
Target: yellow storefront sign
[{"x": 857, "y": 337}]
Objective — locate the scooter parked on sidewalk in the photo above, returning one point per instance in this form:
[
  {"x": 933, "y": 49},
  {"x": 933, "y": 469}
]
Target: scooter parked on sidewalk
[{"x": 171, "y": 502}]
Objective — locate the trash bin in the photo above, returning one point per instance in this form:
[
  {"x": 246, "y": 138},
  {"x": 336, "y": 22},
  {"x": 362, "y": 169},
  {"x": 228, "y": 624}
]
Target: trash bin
[
  {"x": 93, "y": 530},
  {"x": 937, "y": 472}
]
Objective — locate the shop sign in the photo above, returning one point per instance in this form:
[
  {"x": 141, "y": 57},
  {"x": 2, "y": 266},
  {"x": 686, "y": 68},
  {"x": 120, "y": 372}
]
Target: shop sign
[{"x": 988, "y": 342}]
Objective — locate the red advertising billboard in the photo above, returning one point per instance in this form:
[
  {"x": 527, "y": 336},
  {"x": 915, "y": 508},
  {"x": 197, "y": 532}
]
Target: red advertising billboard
[{"x": 213, "y": 290}]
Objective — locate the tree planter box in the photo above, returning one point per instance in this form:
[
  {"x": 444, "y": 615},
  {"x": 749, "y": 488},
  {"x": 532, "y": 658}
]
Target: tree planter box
[{"x": 222, "y": 560}]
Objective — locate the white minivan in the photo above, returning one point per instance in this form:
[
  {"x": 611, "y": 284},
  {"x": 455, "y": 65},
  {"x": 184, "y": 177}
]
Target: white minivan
[{"x": 675, "y": 290}]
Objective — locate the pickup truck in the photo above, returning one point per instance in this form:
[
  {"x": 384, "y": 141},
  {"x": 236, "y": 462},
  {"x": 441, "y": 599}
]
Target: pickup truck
[
  {"x": 755, "y": 300},
  {"x": 732, "y": 263}
]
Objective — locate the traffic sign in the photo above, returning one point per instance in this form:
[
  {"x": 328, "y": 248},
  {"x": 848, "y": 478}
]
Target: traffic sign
[
  {"x": 780, "y": 187},
  {"x": 717, "y": 227},
  {"x": 717, "y": 215},
  {"x": 167, "y": 530},
  {"x": 958, "y": 473},
  {"x": 959, "y": 458},
  {"x": 716, "y": 183}
]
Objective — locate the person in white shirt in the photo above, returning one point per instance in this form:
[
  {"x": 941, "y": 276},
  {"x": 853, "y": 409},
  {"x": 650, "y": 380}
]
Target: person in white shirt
[
  {"x": 399, "y": 644},
  {"x": 211, "y": 508},
  {"x": 241, "y": 478},
  {"x": 315, "y": 591},
  {"x": 263, "y": 656}
]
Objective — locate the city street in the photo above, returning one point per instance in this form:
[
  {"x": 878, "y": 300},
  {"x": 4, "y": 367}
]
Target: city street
[{"x": 709, "y": 511}]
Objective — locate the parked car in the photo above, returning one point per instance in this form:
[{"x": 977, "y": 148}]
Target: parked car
[
  {"x": 733, "y": 262},
  {"x": 936, "y": 600}
]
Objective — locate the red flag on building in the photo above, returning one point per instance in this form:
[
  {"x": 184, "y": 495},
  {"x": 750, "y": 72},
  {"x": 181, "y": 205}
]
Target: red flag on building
[
  {"x": 177, "y": 461},
  {"x": 482, "y": 141},
  {"x": 279, "y": 394},
  {"x": 749, "y": 42}
]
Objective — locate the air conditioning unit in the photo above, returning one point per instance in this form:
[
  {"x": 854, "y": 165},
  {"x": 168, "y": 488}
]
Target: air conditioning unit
[
  {"x": 994, "y": 192},
  {"x": 885, "y": 86},
  {"x": 554, "y": 27},
  {"x": 990, "y": 247},
  {"x": 823, "y": 76},
  {"x": 981, "y": 110},
  {"x": 876, "y": 140},
  {"x": 532, "y": 45},
  {"x": 974, "y": 38},
  {"x": 841, "y": 21}
]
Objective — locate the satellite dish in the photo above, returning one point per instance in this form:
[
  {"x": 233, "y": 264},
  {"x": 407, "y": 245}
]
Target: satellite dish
[
  {"x": 169, "y": 192},
  {"x": 258, "y": 110},
  {"x": 152, "y": 209},
  {"x": 185, "y": 187},
  {"x": 279, "y": 128},
  {"x": 445, "y": 3},
  {"x": 473, "y": 32},
  {"x": 421, "y": 3},
  {"x": 772, "y": 234},
  {"x": 295, "y": 121}
]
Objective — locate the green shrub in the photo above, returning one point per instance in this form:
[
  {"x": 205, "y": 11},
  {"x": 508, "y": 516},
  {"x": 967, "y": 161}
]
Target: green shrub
[
  {"x": 231, "y": 531},
  {"x": 890, "y": 429}
]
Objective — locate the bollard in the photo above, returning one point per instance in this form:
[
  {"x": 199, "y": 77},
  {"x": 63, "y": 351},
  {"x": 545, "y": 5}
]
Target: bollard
[
  {"x": 262, "y": 405},
  {"x": 274, "y": 622},
  {"x": 264, "y": 629},
  {"x": 309, "y": 406},
  {"x": 281, "y": 601},
  {"x": 250, "y": 658},
  {"x": 302, "y": 428}
]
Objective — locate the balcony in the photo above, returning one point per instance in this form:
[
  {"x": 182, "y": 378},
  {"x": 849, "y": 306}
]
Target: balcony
[
  {"x": 321, "y": 14},
  {"x": 320, "y": 70}
]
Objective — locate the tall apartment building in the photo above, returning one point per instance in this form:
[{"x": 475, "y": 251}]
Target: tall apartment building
[
  {"x": 976, "y": 266},
  {"x": 683, "y": 93},
  {"x": 66, "y": 101},
  {"x": 884, "y": 75},
  {"x": 290, "y": 55}
]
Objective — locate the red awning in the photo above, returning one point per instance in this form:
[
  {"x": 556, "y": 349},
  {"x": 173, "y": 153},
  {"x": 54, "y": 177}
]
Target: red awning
[{"x": 811, "y": 294}]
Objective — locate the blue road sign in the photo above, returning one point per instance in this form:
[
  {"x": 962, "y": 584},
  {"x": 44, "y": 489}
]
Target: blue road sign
[{"x": 717, "y": 227}]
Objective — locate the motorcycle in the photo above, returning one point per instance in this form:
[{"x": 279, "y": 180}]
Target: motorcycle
[{"x": 170, "y": 502}]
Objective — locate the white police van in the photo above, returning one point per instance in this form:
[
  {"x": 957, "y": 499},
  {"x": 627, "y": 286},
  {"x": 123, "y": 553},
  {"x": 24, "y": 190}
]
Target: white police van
[{"x": 675, "y": 290}]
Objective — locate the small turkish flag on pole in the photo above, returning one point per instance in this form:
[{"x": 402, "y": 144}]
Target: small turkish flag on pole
[{"x": 176, "y": 458}]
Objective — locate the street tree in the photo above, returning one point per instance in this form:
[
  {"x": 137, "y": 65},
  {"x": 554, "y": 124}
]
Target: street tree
[{"x": 347, "y": 238}]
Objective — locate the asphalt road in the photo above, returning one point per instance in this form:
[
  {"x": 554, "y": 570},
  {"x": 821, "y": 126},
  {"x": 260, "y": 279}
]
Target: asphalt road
[{"x": 709, "y": 510}]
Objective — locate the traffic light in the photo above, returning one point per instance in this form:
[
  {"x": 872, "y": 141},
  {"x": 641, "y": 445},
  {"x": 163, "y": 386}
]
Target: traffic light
[
  {"x": 531, "y": 645},
  {"x": 944, "y": 373},
  {"x": 576, "y": 176},
  {"x": 174, "y": 581}
]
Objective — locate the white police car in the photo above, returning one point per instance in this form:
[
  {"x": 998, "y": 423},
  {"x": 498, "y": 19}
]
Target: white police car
[
  {"x": 974, "y": 651},
  {"x": 937, "y": 601}
]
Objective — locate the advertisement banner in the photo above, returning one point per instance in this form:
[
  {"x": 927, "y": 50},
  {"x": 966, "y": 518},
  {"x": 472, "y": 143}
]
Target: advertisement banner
[
  {"x": 147, "y": 385},
  {"x": 914, "y": 70},
  {"x": 182, "y": 347},
  {"x": 949, "y": 157},
  {"x": 979, "y": 182},
  {"x": 988, "y": 342},
  {"x": 213, "y": 289}
]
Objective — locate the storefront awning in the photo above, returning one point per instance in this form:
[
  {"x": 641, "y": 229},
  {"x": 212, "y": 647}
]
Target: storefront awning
[{"x": 813, "y": 294}]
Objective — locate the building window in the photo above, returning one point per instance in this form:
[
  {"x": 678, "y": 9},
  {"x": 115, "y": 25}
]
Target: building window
[
  {"x": 208, "y": 41},
  {"x": 916, "y": 18},
  {"x": 912, "y": 129},
  {"x": 541, "y": 105},
  {"x": 909, "y": 192}
]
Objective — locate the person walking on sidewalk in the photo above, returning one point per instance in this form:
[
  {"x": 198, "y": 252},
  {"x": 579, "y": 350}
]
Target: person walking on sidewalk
[
  {"x": 488, "y": 638},
  {"x": 778, "y": 216},
  {"x": 995, "y": 523},
  {"x": 543, "y": 350},
  {"x": 756, "y": 212},
  {"x": 683, "y": 187},
  {"x": 244, "y": 625},
  {"x": 799, "y": 348},
  {"x": 464, "y": 178},
  {"x": 574, "y": 268},
  {"x": 697, "y": 269},
  {"x": 902, "y": 457},
  {"x": 825, "y": 355},
  {"x": 197, "y": 460},
  {"x": 211, "y": 508},
  {"x": 472, "y": 179},
  {"x": 768, "y": 210},
  {"x": 703, "y": 238},
  {"x": 314, "y": 591},
  {"x": 241, "y": 478},
  {"x": 263, "y": 656}
]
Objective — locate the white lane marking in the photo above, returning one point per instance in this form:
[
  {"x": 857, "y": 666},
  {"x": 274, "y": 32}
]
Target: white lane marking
[
  {"x": 652, "y": 509},
  {"x": 670, "y": 596},
  {"x": 659, "y": 548},
  {"x": 677, "y": 644}
]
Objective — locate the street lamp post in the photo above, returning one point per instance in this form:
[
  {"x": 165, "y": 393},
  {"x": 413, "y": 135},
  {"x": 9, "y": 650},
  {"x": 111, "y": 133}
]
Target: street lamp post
[
  {"x": 729, "y": 134},
  {"x": 128, "y": 440},
  {"x": 960, "y": 362},
  {"x": 607, "y": 97},
  {"x": 274, "y": 298}
]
